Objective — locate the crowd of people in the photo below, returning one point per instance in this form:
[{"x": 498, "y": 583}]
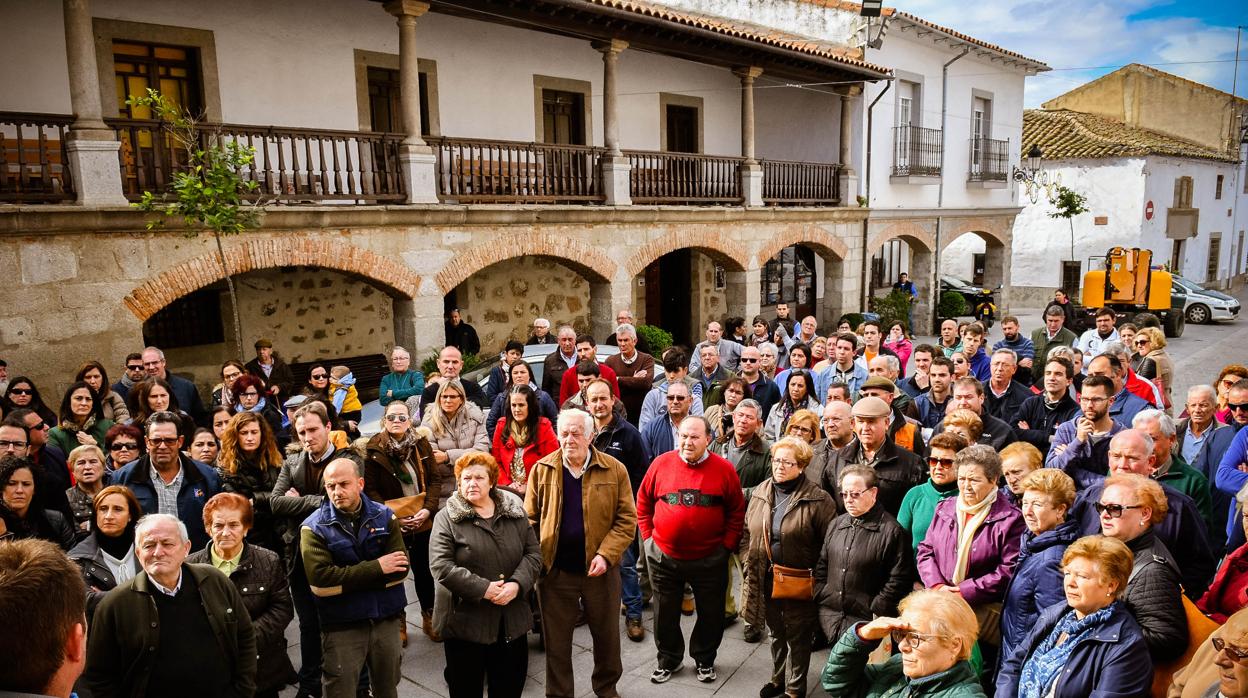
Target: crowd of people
[{"x": 950, "y": 519}]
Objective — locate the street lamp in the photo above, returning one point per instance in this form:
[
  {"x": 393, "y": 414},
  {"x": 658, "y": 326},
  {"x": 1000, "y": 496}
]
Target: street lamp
[
  {"x": 871, "y": 8},
  {"x": 874, "y": 8},
  {"x": 1033, "y": 179}
]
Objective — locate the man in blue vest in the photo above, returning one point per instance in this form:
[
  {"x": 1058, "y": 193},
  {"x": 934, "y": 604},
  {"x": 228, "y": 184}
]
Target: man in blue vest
[{"x": 355, "y": 559}]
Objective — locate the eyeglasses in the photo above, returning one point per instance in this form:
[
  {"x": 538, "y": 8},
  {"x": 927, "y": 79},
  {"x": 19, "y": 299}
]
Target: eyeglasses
[
  {"x": 1141, "y": 342},
  {"x": 946, "y": 462},
  {"x": 911, "y": 639},
  {"x": 785, "y": 463},
  {"x": 748, "y": 361},
  {"x": 1092, "y": 400},
  {"x": 1114, "y": 510},
  {"x": 12, "y": 445},
  {"x": 319, "y": 376},
  {"x": 798, "y": 428},
  {"x": 677, "y": 398},
  {"x": 1236, "y": 406},
  {"x": 162, "y": 441},
  {"x": 134, "y": 367},
  {"x": 1233, "y": 653},
  {"x": 21, "y": 391},
  {"x": 851, "y": 496},
  {"x": 123, "y": 446},
  {"x": 250, "y": 393},
  {"x": 40, "y": 425},
  {"x": 396, "y": 418}
]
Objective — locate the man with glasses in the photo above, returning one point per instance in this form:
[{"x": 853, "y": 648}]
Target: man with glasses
[
  {"x": 660, "y": 434},
  {"x": 1081, "y": 446},
  {"x": 133, "y": 374},
  {"x": 450, "y": 363},
  {"x": 675, "y": 370},
  {"x": 1170, "y": 469},
  {"x": 762, "y": 388},
  {"x": 54, "y": 474},
  {"x": 898, "y": 469},
  {"x": 166, "y": 481},
  {"x": 838, "y": 432},
  {"x": 1220, "y": 666},
  {"x": 184, "y": 390}
]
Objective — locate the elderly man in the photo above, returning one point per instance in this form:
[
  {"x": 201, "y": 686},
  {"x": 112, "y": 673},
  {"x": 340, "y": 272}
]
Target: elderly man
[
  {"x": 172, "y": 629},
  {"x": 1126, "y": 403},
  {"x": 675, "y": 370},
  {"x": 355, "y": 561},
  {"x": 1218, "y": 669},
  {"x": 660, "y": 434},
  {"x": 729, "y": 351},
  {"x": 41, "y": 593},
  {"x": 1005, "y": 396},
  {"x": 586, "y": 350},
  {"x": 450, "y": 363},
  {"x": 1039, "y": 415},
  {"x": 1080, "y": 447},
  {"x": 559, "y": 361},
  {"x": 625, "y": 317},
  {"x": 1182, "y": 530},
  {"x": 838, "y": 432},
  {"x": 184, "y": 390},
  {"x": 541, "y": 333},
  {"x": 903, "y": 430},
  {"x": 1201, "y": 441},
  {"x": 615, "y": 437},
  {"x": 897, "y": 468},
  {"x": 1053, "y": 334},
  {"x": 806, "y": 333},
  {"x": 580, "y": 502},
  {"x": 889, "y": 366},
  {"x": 711, "y": 374},
  {"x": 270, "y": 368},
  {"x": 968, "y": 394},
  {"x": 1170, "y": 469},
  {"x": 762, "y": 388},
  {"x": 168, "y": 482},
  {"x": 691, "y": 512},
  {"x": 634, "y": 370}
]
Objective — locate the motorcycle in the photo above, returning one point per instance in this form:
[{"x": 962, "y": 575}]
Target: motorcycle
[{"x": 986, "y": 307}]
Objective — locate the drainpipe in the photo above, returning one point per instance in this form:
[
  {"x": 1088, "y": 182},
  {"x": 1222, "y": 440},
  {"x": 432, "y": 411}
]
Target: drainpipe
[
  {"x": 940, "y": 191},
  {"x": 864, "y": 293}
]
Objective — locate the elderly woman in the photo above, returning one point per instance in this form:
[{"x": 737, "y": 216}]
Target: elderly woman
[
  {"x": 1155, "y": 364},
  {"x": 720, "y": 415},
  {"x": 964, "y": 423},
  {"x": 87, "y": 464},
  {"x": 399, "y": 463},
  {"x": 768, "y": 356},
  {"x": 204, "y": 447},
  {"x": 82, "y": 421},
  {"x": 1229, "y": 591},
  {"x": 485, "y": 557},
  {"x": 785, "y": 522},
  {"x": 23, "y": 512},
  {"x": 798, "y": 394},
  {"x": 113, "y": 405},
  {"x": 1220, "y": 666},
  {"x": 456, "y": 426},
  {"x": 1088, "y": 644},
  {"x": 804, "y": 425},
  {"x": 250, "y": 396},
  {"x": 1018, "y": 460},
  {"x": 223, "y": 393},
  {"x": 934, "y": 637},
  {"x": 819, "y": 353},
  {"x": 124, "y": 443},
  {"x": 106, "y": 556},
  {"x": 249, "y": 464},
  {"x": 1048, "y": 494},
  {"x": 261, "y": 579},
  {"x": 521, "y": 439},
  {"x": 519, "y": 373},
  {"x": 919, "y": 505},
  {"x": 1130, "y": 507},
  {"x": 866, "y": 564},
  {"x": 972, "y": 546},
  {"x": 403, "y": 381}
]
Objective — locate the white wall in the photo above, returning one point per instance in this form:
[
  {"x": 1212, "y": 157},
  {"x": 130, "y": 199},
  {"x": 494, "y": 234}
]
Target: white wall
[
  {"x": 1214, "y": 213},
  {"x": 796, "y": 124},
  {"x": 33, "y": 67}
]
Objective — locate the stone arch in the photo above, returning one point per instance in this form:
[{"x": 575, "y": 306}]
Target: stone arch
[
  {"x": 995, "y": 231},
  {"x": 589, "y": 262},
  {"x": 715, "y": 244},
  {"x": 287, "y": 251},
  {"x": 823, "y": 242},
  {"x": 909, "y": 231}
]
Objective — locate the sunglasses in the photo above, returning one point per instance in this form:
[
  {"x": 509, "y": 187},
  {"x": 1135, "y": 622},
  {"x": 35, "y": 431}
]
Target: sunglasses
[
  {"x": 166, "y": 441},
  {"x": 946, "y": 462},
  {"x": 1237, "y": 406},
  {"x": 749, "y": 361},
  {"x": 676, "y": 398},
  {"x": 319, "y": 376},
  {"x": 21, "y": 391},
  {"x": 123, "y": 446},
  {"x": 396, "y": 418},
  {"x": 135, "y": 367},
  {"x": 1234, "y": 653},
  {"x": 1114, "y": 510},
  {"x": 1141, "y": 342}
]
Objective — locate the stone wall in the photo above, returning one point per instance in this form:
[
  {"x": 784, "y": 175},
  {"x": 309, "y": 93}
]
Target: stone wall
[{"x": 710, "y": 304}]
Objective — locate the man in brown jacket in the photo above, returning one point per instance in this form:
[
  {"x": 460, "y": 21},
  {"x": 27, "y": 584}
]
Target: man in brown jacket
[
  {"x": 634, "y": 370},
  {"x": 580, "y": 503}
]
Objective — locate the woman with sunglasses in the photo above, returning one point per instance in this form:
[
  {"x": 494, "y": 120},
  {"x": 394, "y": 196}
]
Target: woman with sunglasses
[
  {"x": 23, "y": 395},
  {"x": 457, "y": 426},
  {"x": 933, "y": 636},
  {"x": 798, "y": 394},
  {"x": 1088, "y": 644},
  {"x": 961, "y": 366},
  {"x": 398, "y": 462},
  {"x": 1227, "y": 378},
  {"x": 318, "y": 383},
  {"x": 124, "y": 443},
  {"x": 96, "y": 376},
  {"x": 82, "y": 421},
  {"x": 919, "y": 504},
  {"x": 223, "y": 393},
  {"x": 521, "y": 439},
  {"x": 1156, "y": 364}
]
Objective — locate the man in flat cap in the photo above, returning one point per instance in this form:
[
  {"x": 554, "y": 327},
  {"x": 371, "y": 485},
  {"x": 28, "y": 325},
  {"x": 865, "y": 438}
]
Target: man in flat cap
[
  {"x": 903, "y": 430},
  {"x": 897, "y": 469}
]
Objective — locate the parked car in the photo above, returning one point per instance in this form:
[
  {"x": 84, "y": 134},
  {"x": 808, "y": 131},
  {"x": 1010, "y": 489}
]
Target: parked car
[
  {"x": 968, "y": 290},
  {"x": 1202, "y": 305}
]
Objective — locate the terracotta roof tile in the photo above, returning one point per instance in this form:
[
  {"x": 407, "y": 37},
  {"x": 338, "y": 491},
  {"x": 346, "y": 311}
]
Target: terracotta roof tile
[
  {"x": 1066, "y": 134},
  {"x": 968, "y": 39}
]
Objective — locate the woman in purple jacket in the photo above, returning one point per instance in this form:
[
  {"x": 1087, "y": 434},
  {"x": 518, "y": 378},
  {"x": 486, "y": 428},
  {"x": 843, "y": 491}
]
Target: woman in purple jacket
[{"x": 972, "y": 546}]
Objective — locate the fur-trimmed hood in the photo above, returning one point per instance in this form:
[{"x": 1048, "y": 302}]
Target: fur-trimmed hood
[{"x": 508, "y": 504}]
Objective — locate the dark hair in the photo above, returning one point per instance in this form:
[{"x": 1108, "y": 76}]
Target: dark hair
[
  {"x": 267, "y": 457},
  {"x": 1064, "y": 363},
  {"x": 17, "y": 420},
  {"x": 132, "y": 504},
  {"x": 587, "y": 367},
  {"x": 511, "y": 369},
  {"x": 834, "y": 385},
  {"x": 803, "y": 348},
  {"x": 236, "y": 364},
  {"x": 67, "y": 414},
  {"x": 1106, "y": 312},
  {"x": 1009, "y": 318},
  {"x": 760, "y": 320},
  {"x": 970, "y": 381},
  {"x": 732, "y": 324},
  {"x": 867, "y": 323},
  {"x": 132, "y": 356},
  {"x": 34, "y": 521},
  {"x": 124, "y": 430},
  {"x": 312, "y": 368},
  {"x": 513, "y": 345},
  {"x": 162, "y": 417},
  {"x": 530, "y": 422},
  {"x": 847, "y": 337},
  {"x": 586, "y": 339},
  {"x": 942, "y": 360},
  {"x": 42, "y": 593},
  {"x": 806, "y": 376},
  {"x": 36, "y": 400},
  {"x": 743, "y": 385},
  {"x": 1114, "y": 362},
  {"x": 925, "y": 349},
  {"x": 87, "y": 366},
  {"x": 674, "y": 359},
  {"x": 140, "y": 408},
  {"x": 1098, "y": 382}
]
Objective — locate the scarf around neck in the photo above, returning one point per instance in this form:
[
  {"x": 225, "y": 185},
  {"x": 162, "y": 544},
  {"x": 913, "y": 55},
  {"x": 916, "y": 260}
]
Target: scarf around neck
[
  {"x": 399, "y": 451},
  {"x": 1049, "y": 658},
  {"x": 966, "y": 532}
]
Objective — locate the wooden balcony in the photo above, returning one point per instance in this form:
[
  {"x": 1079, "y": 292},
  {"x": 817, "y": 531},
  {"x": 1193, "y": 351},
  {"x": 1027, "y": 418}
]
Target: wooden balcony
[
  {"x": 476, "y": 170},
  {"x": 801, "y": 183},
  {"x": 33, "y": 159},
  {"x": 683, "y": 178}
]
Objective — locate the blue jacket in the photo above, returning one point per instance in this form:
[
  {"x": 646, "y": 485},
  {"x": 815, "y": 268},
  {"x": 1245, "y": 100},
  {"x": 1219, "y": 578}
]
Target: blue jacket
[
  {"x": 931, "y": 415},
  {"x": 199, "y": 484},
  {"x": 623, "y": 442},
  {"x": 348, "y": 548},
  {"x": 824, "y": 378},
  {"x": 188, "y": 398},
  {"x": 1037, "y": 582},
  {"x": 658, "y": 437},
  {"x": 1126, "y": 405},
  {"x": 1229, "y": 478},
  {"x": 981, "y": 366},
  {"x": 1111, "y": 662},
  {"x": 1085, "y": 463}
]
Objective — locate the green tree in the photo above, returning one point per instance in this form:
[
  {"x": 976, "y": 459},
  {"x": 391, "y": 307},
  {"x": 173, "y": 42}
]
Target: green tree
[
  {"x": 210, "y": 192},
  {"x": 1068, "y": 204}
]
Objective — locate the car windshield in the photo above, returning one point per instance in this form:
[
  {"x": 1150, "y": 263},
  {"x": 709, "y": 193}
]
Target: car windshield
[{"x": 955, "y": 281}]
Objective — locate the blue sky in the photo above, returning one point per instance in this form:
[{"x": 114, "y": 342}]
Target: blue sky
[{"x": 1077, "y": 37}]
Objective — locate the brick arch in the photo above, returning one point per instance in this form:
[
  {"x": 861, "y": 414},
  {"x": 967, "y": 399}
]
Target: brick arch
[
  {"x": 168, "y": 286},
  {"x": 993, "y": 231},
  {"x": 585, "y": 260},
  {"x": 715, "y": 244},
  {"x": 907, "y": 230},
  {"x": 813, "y": 236}
]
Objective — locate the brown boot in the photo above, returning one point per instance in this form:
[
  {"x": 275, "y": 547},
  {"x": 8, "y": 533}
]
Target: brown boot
[
  {"x": 426, "y": 624},
  {"x": 403, "y": 633}
]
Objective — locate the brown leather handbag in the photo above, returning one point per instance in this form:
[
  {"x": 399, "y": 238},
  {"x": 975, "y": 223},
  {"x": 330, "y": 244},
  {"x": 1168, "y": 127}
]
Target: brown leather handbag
[{"x": 792, "y": 583}]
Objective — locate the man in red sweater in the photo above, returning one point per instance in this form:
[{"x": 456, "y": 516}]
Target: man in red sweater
[
  {"x": 691, "y": 510},
  {"x": 586, "y": 350}
]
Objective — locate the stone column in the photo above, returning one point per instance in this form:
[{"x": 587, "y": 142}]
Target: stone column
[
  {"x": 849, "y": 177},
  {"x": 751, "y": 171},
  {"x": 923, "y": 274},
  {"x": 415, "y": 157},
  {"x": 92, "y": 146},
  {"x": 419, "y": 325},
  {"x": 605, "y": 298},
  {"x": 614, "y": 166},
  {"x": 744, "y": 292}
]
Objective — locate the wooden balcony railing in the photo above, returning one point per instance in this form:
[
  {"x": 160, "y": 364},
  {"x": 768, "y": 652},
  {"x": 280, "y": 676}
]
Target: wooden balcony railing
[
  {"x": 917, "y": 151},
  {"x": 476, "y": 170},
  {"x": 683, "y": 178},
  {"x": 786, "y": 182},
  {"x": 990, "y": 160},
  {"x": 34, "y": 165},
  {"x": 292, "y": 165}
]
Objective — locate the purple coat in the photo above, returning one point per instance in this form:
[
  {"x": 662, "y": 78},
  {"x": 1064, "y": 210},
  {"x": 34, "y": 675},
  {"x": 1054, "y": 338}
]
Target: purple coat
[{"x": 994, "y": 551}]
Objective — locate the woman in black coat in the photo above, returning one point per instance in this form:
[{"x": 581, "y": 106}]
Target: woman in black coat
[
  {"x": 106, "y": 556},
  {"x": 23, "y": 512},
  {"x": 249, "y": 463},
  {"x": 260, "y": 577}
]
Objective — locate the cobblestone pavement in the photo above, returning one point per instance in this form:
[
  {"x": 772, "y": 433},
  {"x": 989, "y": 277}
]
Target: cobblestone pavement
[{"x": 743, "y": 668}]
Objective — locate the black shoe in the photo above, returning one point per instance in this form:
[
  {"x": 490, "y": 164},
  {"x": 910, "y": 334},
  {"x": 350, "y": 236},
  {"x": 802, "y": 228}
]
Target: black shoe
[
  {"x": 753, "y": 634},
  {"x": 771, "y": 690}
]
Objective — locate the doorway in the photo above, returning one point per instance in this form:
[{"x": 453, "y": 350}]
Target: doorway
[{"x": 668, "y": 294}]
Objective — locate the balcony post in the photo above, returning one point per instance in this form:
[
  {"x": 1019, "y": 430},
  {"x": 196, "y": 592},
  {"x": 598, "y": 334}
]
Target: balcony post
[
  {"x": 415, "y": 156},
  {"x": 751, "y": 171},
  {"x": 91, "y": 145},
  {"x": 614, "y": 166},
  {"x": 848, "y": 177}
]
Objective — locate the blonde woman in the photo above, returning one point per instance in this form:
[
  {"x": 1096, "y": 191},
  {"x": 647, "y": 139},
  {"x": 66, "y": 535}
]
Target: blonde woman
[
  {"x": 456, "y": 426},
  {"x": 1155, "y": 364}
]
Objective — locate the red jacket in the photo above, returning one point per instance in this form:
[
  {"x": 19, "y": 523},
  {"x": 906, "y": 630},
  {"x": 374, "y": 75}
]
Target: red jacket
[
  {"x": 691, "y": 511},
  {"x": 504, "y": 448},
  {"x": 1142, "y": 388},
  {"x": 569, "y": 386},
  {"x": 1230, "y": 579}
]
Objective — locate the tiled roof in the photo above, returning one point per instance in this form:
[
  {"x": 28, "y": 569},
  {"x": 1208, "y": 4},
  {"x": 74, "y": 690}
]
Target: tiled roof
[
  {"x": 1066, "y": 134},
  {"x": 754, "y": 32},
  {"x": 1041, "y": 65}
]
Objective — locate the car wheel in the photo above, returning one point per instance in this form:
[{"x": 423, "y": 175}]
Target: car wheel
[
  {"x": 1198, "y": 314},
  {"x": 1174, "y": 324}
]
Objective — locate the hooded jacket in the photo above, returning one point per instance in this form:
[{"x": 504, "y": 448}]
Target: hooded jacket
[{"x": 1037, "y": 582}]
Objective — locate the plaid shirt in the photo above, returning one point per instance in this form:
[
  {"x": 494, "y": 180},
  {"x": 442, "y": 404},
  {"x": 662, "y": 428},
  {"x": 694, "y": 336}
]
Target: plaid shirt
[{"x": 167, "y": 495}]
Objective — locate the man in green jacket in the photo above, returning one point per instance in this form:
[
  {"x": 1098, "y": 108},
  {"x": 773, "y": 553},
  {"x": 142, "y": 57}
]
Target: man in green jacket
[
  {"x": 1053, "y": 334},
  {"x": 1172, "y": 469},
  {"x": 173, "y": 628}
]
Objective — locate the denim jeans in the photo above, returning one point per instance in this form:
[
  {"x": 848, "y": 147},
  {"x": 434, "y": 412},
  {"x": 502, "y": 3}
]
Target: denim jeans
[{"x": 630, "y": 585}]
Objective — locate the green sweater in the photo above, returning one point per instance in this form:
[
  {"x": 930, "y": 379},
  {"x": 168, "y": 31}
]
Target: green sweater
[
  {"x": 847, "y": 674},
  {"x": 1192, "y": 483},
  {"x": 919, "y": 506}
]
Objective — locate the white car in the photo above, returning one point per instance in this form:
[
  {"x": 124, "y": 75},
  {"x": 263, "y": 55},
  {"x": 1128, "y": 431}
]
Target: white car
[{"x": 1204, "y": 305}]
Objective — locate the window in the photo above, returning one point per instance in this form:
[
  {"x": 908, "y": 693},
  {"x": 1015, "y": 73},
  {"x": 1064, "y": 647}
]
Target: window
[
  {"x": 191, "y": 320},
  {"x": 907, "y": 103},
  {"x": 682, "y": 129},
  {"x": 563, "y": 117},
  {"x": 1176, "y": 257},
  {"x": 1183, "y": 192},
  {"x": 173, "y": 70},
  {"x": 384, "y": 105},
  {"x": 1215, "y": 251},
  {"x": 1072, "y": 279},
  {"x": 1217, "y": 190},
  {"x": 789, "y": 277}
]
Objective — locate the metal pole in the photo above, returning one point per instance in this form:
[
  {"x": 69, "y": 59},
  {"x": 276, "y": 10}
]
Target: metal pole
[
  {"x": 862, "y": 294},
  {"x": 940, "y": 191}
]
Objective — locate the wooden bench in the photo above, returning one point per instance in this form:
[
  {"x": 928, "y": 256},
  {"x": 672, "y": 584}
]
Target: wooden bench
[{"x": 368, "y": 371}]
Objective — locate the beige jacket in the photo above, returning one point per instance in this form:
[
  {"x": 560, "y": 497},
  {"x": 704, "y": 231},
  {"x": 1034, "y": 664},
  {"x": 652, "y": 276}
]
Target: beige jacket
[{"x": 606, "y": 498}]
